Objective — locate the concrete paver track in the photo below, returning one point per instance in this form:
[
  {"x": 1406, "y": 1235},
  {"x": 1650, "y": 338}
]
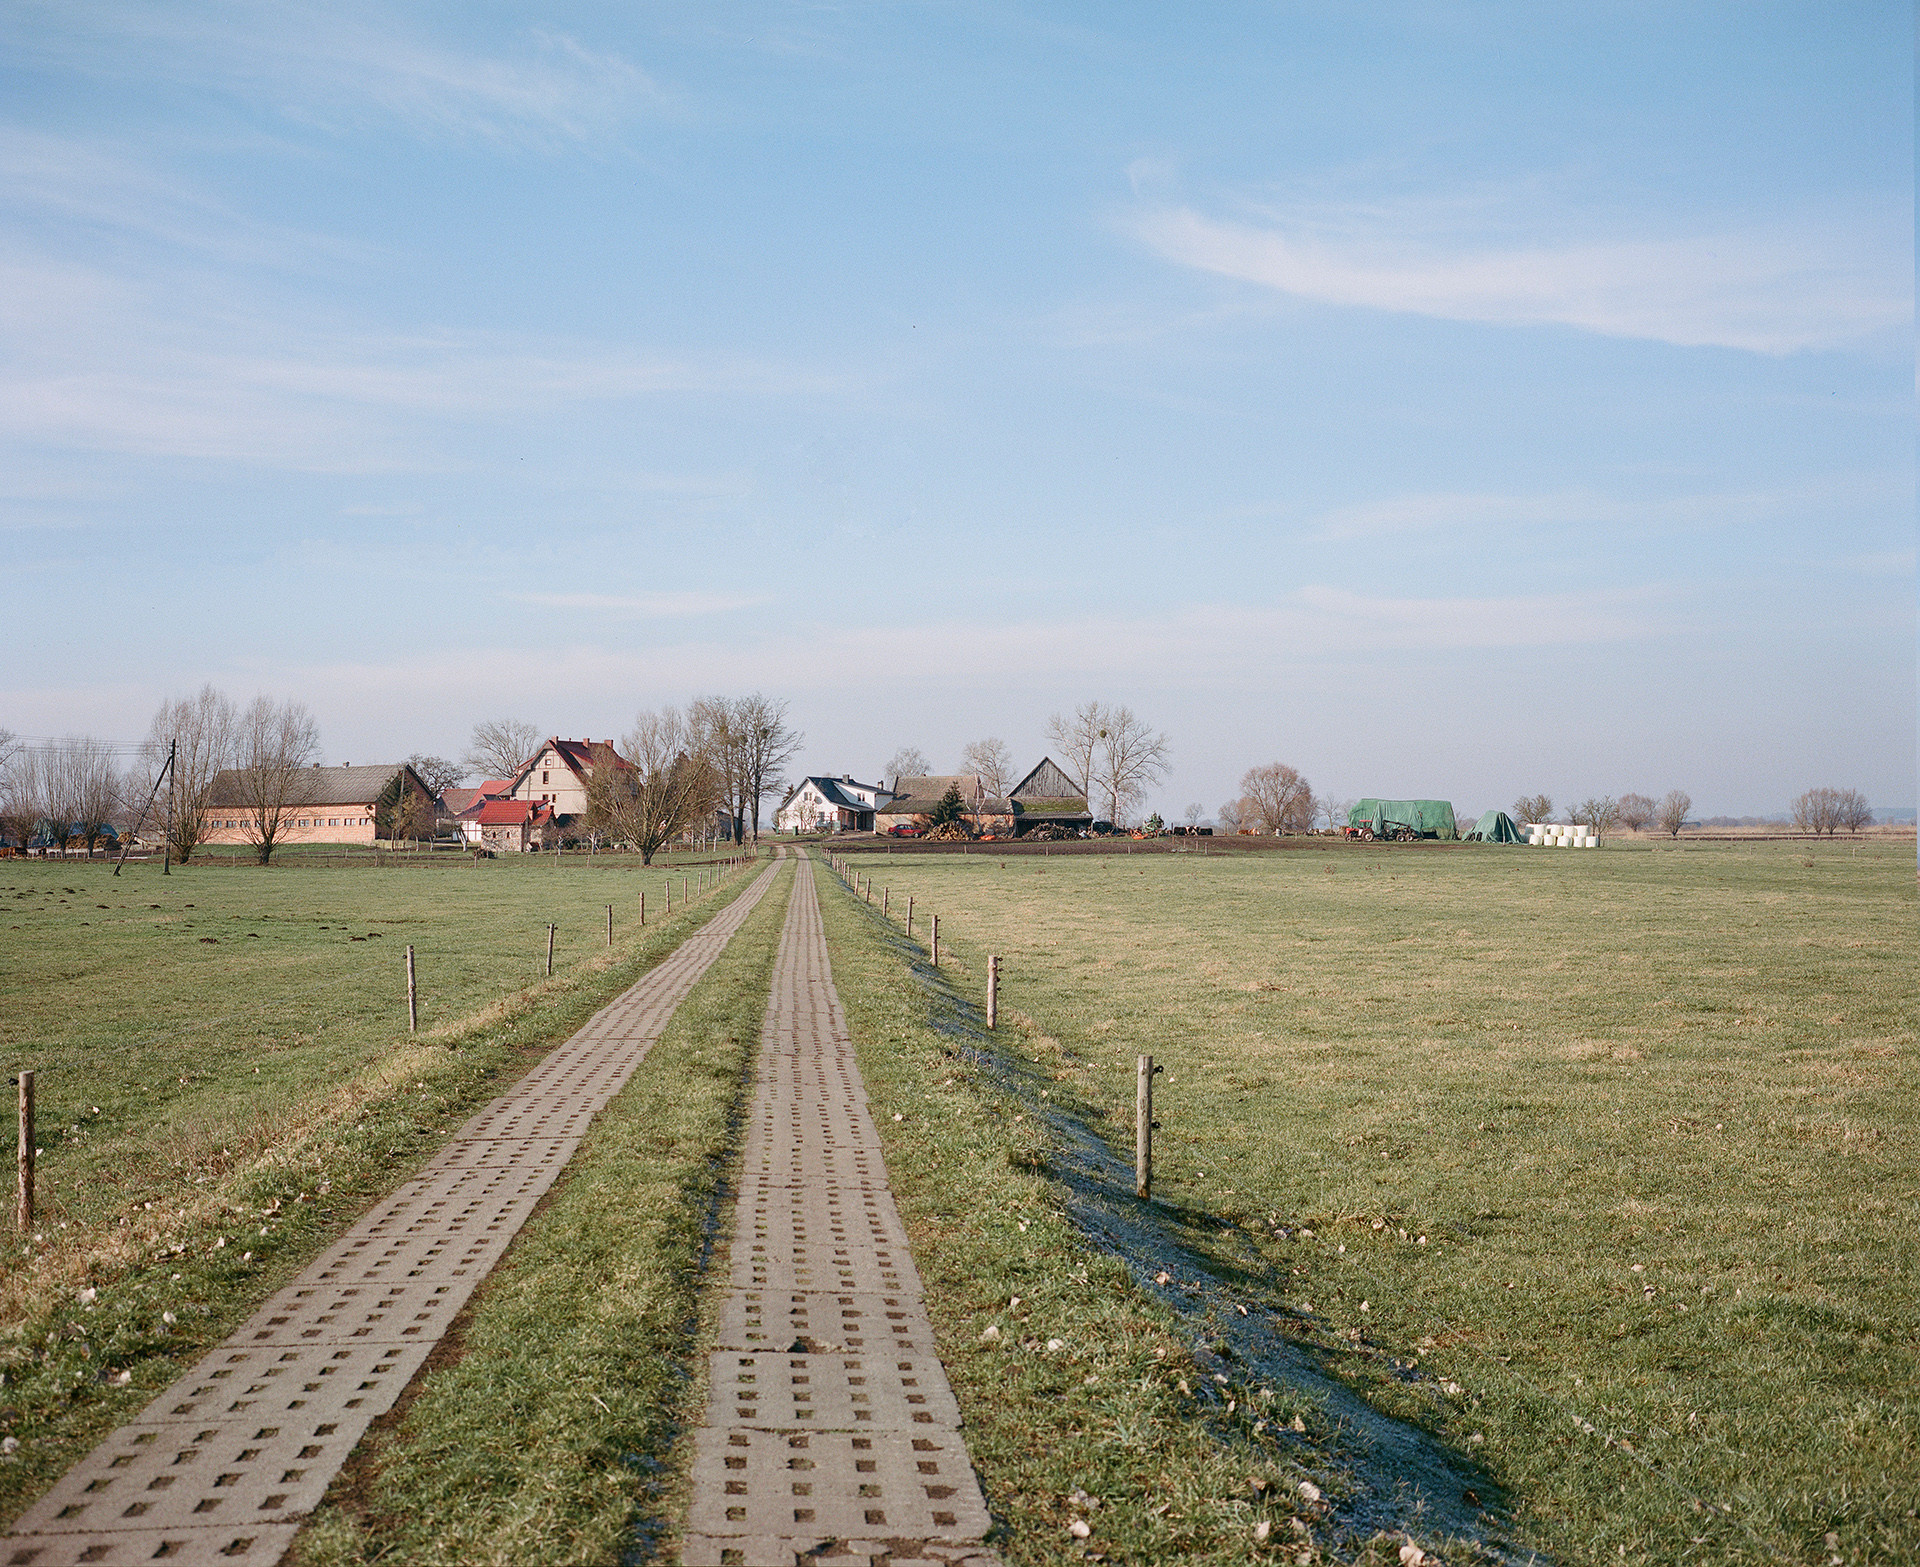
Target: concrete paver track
[
  {"x": 223, "y": 1466},
  {"x": 831, "y": 1436}
]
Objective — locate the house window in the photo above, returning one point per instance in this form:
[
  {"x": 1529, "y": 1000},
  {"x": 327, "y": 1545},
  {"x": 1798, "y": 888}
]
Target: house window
[{"x": 543, "y": 777}]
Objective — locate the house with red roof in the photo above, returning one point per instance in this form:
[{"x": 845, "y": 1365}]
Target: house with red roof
[
  {"x": 558, "y": 774},
  {"x": 506, "y": 826}
]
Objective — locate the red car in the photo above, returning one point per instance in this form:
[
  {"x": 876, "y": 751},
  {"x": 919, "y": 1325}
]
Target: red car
[{"x": 903, "y": 831}]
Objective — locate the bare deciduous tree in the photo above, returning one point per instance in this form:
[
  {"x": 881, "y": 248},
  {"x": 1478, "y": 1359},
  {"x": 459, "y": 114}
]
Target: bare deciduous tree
[
  {"x": 1111, "y": 753},
  {"x": 671, "y": 785},
  {"x": 991, "y": 762},
  {"x": 1672, "y": 815},
  {"x": 1133, "y": 756},
  {"x": 1331, "y": 812},
  {"x": 273, "y": 743},
  {"x": 438, "y": 773},
  {"x": 18, "y": 811},
  {"x": 1531, "y": 808},
  {"x": 1194, "y": 812},
  {"x": 1599, "y": 813},
  {"x": 1075, "y": 740},
  {"x": 907, "y": 762},
  {"x": 97, "y": 788},
  {"x": 200, "y": 730},
  {"x": 1282, "y": 800},
  {"x": 1854, "y": 812},
  {"x": 500, "y": 747},
  {"x": 720, "y": 736},
  {"x": 1229, "y": 816},
  {"x": 402, "y": 811},
  {"x": 770, "y": 745},
  {"x": 1636, "y": 810}
]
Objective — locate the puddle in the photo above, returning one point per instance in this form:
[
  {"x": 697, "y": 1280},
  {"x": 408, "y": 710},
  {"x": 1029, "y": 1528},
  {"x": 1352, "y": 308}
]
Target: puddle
[{"x": 1389, "y": 1476}]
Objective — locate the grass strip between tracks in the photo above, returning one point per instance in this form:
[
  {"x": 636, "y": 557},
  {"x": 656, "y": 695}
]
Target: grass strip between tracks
[{"x": 546, "y": 1431}]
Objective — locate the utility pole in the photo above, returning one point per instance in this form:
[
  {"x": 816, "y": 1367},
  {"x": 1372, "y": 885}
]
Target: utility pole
[{"x": 127, "y": 847}]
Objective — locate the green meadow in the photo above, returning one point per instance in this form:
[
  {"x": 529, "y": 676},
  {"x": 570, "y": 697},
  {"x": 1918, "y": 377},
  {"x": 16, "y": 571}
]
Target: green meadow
[{"x": 1600, "y": 1167}]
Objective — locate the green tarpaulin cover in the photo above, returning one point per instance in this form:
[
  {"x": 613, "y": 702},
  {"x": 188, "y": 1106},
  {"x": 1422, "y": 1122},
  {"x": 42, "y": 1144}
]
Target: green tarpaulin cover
[
  {"x": 1496, "y": 827},
  {"x": 1429, "y": 818}
]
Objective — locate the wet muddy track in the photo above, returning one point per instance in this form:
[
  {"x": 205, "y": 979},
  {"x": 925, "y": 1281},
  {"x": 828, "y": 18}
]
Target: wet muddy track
[{"x": 1394, "y": 1477}]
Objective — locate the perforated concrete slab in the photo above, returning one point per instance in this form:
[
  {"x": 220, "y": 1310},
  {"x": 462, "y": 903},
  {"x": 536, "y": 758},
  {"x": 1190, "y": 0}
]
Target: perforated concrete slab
[
  {"x": 770, "y": 1483},
  {"x": 831, "y": 1434},
  {"x": 222, "y": 1466},
  {"x": 779, "y": 1319}
]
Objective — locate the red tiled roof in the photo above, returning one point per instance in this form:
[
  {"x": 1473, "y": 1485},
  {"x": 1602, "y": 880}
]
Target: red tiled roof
[{"x": 507, "y": 813}]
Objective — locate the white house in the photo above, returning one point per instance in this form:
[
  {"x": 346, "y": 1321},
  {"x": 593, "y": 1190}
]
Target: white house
[{"x": 830, "y": 805}]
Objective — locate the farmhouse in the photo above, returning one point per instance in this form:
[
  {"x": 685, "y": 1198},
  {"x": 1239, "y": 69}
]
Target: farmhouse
[
  {"x": 326, "y": 804},
  {"x": 558, "y": 775},
  {"x": 506, "y": 826},
  {"x": 837, "y": 803}
]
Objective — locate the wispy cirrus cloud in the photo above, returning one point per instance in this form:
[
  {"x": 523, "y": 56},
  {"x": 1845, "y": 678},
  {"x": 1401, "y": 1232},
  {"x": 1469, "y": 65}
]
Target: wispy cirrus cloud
[
  {"x": 346, "y": 66},
  {"x": 1766, "y": 289},
  {"x": 1477, "y": 511}
]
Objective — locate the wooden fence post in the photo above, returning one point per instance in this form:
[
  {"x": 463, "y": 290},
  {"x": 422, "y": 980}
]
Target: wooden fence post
[
  {"x": 23, "y": 1210},
  {"x": 909, "y": 916},
  {"x": 934, "y": 949},
  {"x": 883, "y": 898},
  {"x": 1143, "y": 1125},
  {"x": 609, "y": 924},
  {"x": 993, "y": 991},
  {"x": 549, "y": 952},
  {"x": 643, "y": 907},
  {"x": 413, "y": 998}
]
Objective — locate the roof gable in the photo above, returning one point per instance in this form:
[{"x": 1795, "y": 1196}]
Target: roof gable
[{"x": 1045, "y": 782}]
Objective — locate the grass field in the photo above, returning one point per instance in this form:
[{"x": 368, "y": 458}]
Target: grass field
[
  {"x": 225, "y": 1079},
  {"x": 1600, "y": 1167}
]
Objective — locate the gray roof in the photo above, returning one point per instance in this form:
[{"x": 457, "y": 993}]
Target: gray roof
[
  {"x": 918, "y": 796},
  {"x": 834, "y": 794},
  {"x": 320, "y": 785}
]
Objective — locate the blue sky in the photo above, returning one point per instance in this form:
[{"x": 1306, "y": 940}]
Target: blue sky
[{"x": 1458, "y": 400}]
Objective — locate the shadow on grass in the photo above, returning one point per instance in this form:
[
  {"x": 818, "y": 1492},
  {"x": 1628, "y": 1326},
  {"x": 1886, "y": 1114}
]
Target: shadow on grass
[{"x": 1400, "y": 1478}]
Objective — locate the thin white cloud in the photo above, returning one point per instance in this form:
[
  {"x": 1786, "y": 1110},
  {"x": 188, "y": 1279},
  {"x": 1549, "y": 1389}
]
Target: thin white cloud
[
  {"x": 637, "y": 605},
  {"x": 1468, "y": 512},
  {"x": 344, "y": 66},
  {"x": 1772, "y": 291}
]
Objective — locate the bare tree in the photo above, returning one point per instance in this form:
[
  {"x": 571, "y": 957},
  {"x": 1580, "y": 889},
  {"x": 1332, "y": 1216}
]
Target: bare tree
[
  {"x": 1282, "y": 800},
  {"x": 200, "y": 731},
  {"x": 907, "y": 762},
  {"x": 1331, "y": 812},
  {"x": 1672, "y": 815},
  {"x": 1636, "y": 810},
  {"x": 438, "y": 773},
  {"x": 96, "y": 787},
  {"x": 1531, "y": 808},
  {"x": 1076, "y": 740},
  {"x": 1194, "y": 812},
  {"x": 1854, "y": 813},
  {"x": 500, "y": 747},
  {"x": 1129, "y": 757},
  {"x": 18, "y": 809},
  {"x": 1600, "y": 814},
  {"x": 991, "y": 762},
  {"x": 1229, "y": 816},
  {"x": 273, "y": 742},
  {"x": 721, "y": 736},
  {"x": 671, "y": 785},
  {"x": 769, "y": 745}
]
